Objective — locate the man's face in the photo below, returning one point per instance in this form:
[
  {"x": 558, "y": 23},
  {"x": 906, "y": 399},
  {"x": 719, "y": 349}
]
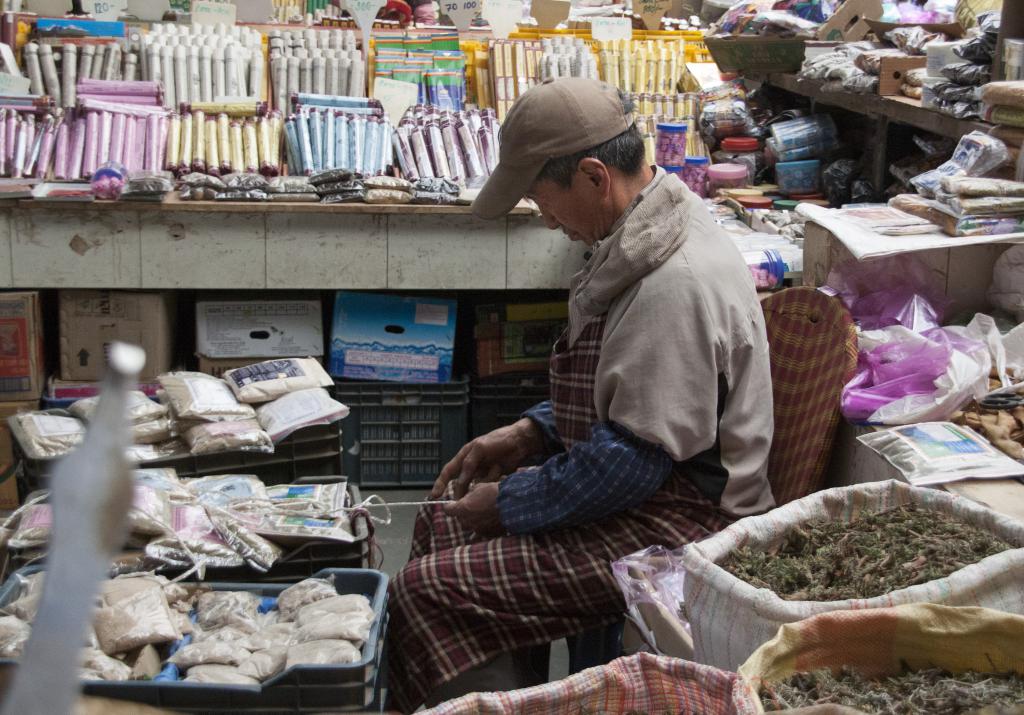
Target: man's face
[{"x": 579, "y": 210}]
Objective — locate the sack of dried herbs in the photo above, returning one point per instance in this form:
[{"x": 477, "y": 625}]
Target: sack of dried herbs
[
  {"x": 798, "y": 561},
  {"x": 915, "y": 658}
]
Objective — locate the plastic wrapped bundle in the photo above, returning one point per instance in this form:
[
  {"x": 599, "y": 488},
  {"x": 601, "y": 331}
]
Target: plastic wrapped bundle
[
  {"x": 228, "y": 436},
  {"x": 200, "y": 397}
]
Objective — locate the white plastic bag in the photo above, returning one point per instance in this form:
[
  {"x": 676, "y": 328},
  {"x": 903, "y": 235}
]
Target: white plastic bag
[
  {"x": 266, "y": 381},
  {"x": 196, "y": 396},
  {"x": 300, "y": 409}
]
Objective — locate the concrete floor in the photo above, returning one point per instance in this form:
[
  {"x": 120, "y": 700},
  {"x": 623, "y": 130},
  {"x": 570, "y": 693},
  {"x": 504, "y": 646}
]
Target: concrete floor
[{"x": 395, "y": 540}]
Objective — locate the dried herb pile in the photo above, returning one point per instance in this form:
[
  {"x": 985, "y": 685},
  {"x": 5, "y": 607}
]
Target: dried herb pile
[
  {"x": 931, "y": 691},
  {"x": 875, "y": 554}
]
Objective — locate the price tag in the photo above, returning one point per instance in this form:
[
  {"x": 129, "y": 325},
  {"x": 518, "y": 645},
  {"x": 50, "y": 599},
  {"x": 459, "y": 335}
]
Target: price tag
[
  {"x": 213, "y": 12},
  {"x": 254, "y": 10},
  {"x": 395, "y": 96},
  {"x": 105, "y": 9},
  {"x": 502, "y": 16},
  {"x": 550, "y": 13},
  {"x": 611, "y": 28},
  {"x": 364, "y": 12},
  {"x": 13, "y": 84},
  {"x": 461, "y": 12},
  {"x": 651, "y": 12}
]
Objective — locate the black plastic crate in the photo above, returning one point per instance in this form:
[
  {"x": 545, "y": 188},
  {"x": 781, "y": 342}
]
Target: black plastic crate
[
  {"x": 401, "y": 434},
  {"x": 499, "y": 401},
  {"x": 310, "y": 451},
  {"x": 302, "y": 689}
]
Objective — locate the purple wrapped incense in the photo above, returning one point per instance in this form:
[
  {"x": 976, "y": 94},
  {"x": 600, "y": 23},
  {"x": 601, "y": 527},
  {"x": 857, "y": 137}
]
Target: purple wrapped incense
[
  {"x": 49, "y": 135},
  {"x": 117, "y": 130},
  {"x": 3, "y": 142},
  {"x": 92, "y": 137},
  {"x": 152, "y": 144},
  {"x": 62, "y": 150},
  {"x": 35, "y": 144},
  {"x": 106, "y": 126},
  {"x": 21, "y": 148},
  {"x": 134, "y": 135},
  {"x": 12, "y": 132},
  {"x": 77, "y": 149}
]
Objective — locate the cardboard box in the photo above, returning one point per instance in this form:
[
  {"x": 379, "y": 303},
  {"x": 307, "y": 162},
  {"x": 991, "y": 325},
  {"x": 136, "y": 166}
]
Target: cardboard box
[
  {"x": 21, "y": 347},
  {"x": 9, "y": 487},
  {"x": 259, "y": 328},
  {"x": 90, "y": 320},
  {"x": 218, "y": 366},
  {"x": 517, "y": 337},
  {"x": 390, "y": 337},
  {"x": 849, "y": 22},
  {"x": 747, "y": 53},
  {"x": 891, "y": 72}
]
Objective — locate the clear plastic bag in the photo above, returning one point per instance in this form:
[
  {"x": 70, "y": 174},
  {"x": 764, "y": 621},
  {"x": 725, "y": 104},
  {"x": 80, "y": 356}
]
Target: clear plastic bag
[
  {"x": 220, "y": 609},
  {"x": 331, "y": 176},
  {"x": 258, "y": 553},
  {"x": 148, "y": 183},
  {"x": 35, "y": 526},
  {"x": 652, "y": 584},
  {"x": 302, "y": 594},
  {"x": 201, "y": 397},
  {"x": 209, "y": 653},
  {"x": 266, "y": 381},
  {"x": 975, "y": 155},
  {"x": 390, "y": 183},
  {"x": 912, "y": 40},
  {"x": 726, "y": 118},
  {"x": 308, "y": 499},
  {"x": 151, "y": 511},
  {"x": 968, "y": 73},
  {"x": 352, "y": 627},
  {"x": 222, "y": 489},
  {"x": 387, "y": 196},
  {"x": 837, "y": 180},
  {"x": 14, "y": 633},
  {"x": 139, "y": 408},
  {"x": 871, "y": 61},
  {"x": 296, "y": 410},
  {"x": 323, "y": 653},
  {"x": 47, "y": 435},
  {"x": 265, "y": 664},
  {"x": 889, "y": 291},
  {"x": 290, "y": 185},
  {"x": 233, "y": 436},
  {"x": 97, "y": 665},
  {"x": 245, "y": 182},
  {"x": 222, "y": 674},
  {"x": 335, "y": 606},
  {"x": 135, "y": 621},
  {"x": 240, "y": 195},
  {"x": 982, "y": 48},
  {"x": 197, "y": 181},
  {"x": 344, "y": 197}
]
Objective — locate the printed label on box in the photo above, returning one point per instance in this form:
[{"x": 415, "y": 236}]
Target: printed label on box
[{"x": 431, "y": 314}]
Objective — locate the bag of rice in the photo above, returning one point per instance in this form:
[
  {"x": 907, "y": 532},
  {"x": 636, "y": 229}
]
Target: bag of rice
[
  {"x": 218, "y": 674},
  {"x": 217, "y": 609},
  {"x": 135, "y": 621},
  {"x": 222, "y": 489},
  {"x": 142, "y": 453},
  {"x": 209, "y": 653},
  {"x": 323, "y": 653},
  {"x": 139, "y": 408},
  {"x": 97, "y": 665},
  {"x": 299, "y": 409},
  {"x": 340, "y": 606},
  {"x": 47, "y": 435},
  {"x": 14, "y": 632},
  {"x": 354, "y": 627},
  {"x": 266, "y": 381},
  {"x": 34, "y": 527},
  {"x": 265, "y": 664},
  {"x": 302, "y": 594},
  {"x": 204, "y": 398},
  {"x": 231, "y": 436}
]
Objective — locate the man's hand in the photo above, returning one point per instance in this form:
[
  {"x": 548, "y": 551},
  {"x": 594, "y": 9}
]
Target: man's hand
[
  {"x": 478, "y": 510},
  {"x": 490, "y": 457}
]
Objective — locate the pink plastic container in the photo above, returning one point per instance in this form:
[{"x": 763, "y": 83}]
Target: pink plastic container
[{"x": 726, "y": 176}]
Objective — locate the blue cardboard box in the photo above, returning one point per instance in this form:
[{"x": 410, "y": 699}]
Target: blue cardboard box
[{"x": 391, "y": 337}]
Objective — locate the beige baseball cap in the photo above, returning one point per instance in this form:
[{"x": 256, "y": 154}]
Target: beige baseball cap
[{"x": 553, "y": 119}]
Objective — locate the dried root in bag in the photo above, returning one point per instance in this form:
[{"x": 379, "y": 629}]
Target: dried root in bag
[
  {"x": 225, "y": 674},
  {"x": 209, "y": 653},
  {"x": 30, "y": 592},
  {"x": 220, "y": 609},
  {"x": 302, "y": 594},
  {"x": 229, "y": 436},
  {"x": 203, "y": 398},
  {"x": 14, "y": 633},
  {"x": 323, "y": 653},
  {"x": 44, "y": 435},
  {"x": 269, "y": 380},
  {"x": 299, "y": 409}
]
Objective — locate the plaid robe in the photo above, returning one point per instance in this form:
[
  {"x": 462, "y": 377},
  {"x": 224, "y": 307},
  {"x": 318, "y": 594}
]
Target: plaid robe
[{"x": 462, "y": 600}]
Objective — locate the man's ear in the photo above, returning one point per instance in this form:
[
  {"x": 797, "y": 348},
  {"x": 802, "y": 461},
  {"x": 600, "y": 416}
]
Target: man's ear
[{"x": 595, "y": 172}]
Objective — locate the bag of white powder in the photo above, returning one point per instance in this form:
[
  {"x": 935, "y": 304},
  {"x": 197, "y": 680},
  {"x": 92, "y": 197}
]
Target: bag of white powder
[
  {"x": 266, "y": 381},
  {"x": 195, "y": 396},
  {"x": 47, "y": 435},
  {"x": 230, "y": 436},
  {"x": 300, "y": 409}
]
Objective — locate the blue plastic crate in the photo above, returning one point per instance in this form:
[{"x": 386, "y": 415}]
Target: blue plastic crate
[{"x": 302, "y": 689}]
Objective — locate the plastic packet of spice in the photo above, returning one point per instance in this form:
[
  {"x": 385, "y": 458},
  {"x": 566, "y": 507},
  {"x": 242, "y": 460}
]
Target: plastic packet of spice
[
  {"x": 299, "y": 409},
  {"x": 345, "y": 197},
  {"x": 209, "y": 653},
  {"x": 294, "y": 198},
  {"x": 290, "y": 185},
  {"x": 388, "y": 183},
  {"x": 912, "y": 40},
  {"x": 196, "y": 180},
  {"x": 338, "y": 187},
  {"x": 387, "y": 197},
  {"x": 142, "y": 453},
  {"x": 222, "y": 674},
  {"x": 198, "y": 193},
  {"x": 353, "y": 627},
  {"x": 235, "y": 436},
  {"x": 976, "y": 154},
  {"x": 245, "y": 182},
  {"x": 154, "y": 431},
  {"x": 240, "y": 195},
  {"x": 222, "y": 489},
  {"x": 47, "y": 435},
  {"x": 272, "y": 636},
  {"x": 266, "y": 381},
  {"x": 304, "y": 593},
  {"x": 330, "y": 176},
  {"x": 97, "y": 665},
  {"x": 336, "y": 606},
  {"x": 220, "y": 609},
  {"x": 968, "y": 73},
  {"x": 323, "y": 653},
  {"x": 133, "y": 622},
  {"x": 34, "y": 527},
  {"x": 14, "y": 632},
  {"x": 30, "y": 591},
  {"x": 201, "y": 397},
  {"x": 151, "y": 511},
  {"x": 195, "y": 540},
  {"x": 259, "y": 553},
  {"x": 139, "y": 408},
  {"x": 148, "y": 182},
  {"x": 164, "y": 479},
  {"x": 940, "y": 452},
  {"x": 300, "y": 529},
  {"x": 265, "y": 664}
]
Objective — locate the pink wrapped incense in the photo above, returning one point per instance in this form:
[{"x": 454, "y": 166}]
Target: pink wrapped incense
[
  {"x": 134, "y": 136},
  {"x": 92, "y": 137},
  {"x": 161, "y": 148},
  {"x": 63, "y": 148},
  {"x": 152, "y": 147},
  {"x": 135, "y": 110},
  {"x": 3, "y": 142},
  {"x": 21, "y": 148},
  {"x": 12, "y": 132},
  {"x": 117, "y": 137},
  {"x": 123, "y": 88},
  {"x": 46, "y": 148},
  {"x": 106, "y": 126}
]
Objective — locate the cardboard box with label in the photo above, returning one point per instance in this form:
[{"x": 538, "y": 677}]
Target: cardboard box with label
[
  {"x": 390, "y": 337},
  {"x": 90, "y": 320},
  {"x": 8, "y": 485},
  {"x": 258, "y": 330},
  {"x": 517, "y": 337},
  {"x": 21, "y": 347}
]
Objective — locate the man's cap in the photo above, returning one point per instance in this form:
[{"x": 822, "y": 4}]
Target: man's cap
[{"x": 553, "y": 119}]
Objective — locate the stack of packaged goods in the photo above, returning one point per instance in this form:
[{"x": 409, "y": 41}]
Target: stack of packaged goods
[
  {"x": 643, "y": 67},
  {"x": 566, "y": 57},
  {"x": 724, "y": 115},
  {"x": 957, "y": 91},
  {"x": 433, "y": 62},
  {"x": 459, "y": 146},
  {"x": 344, "y": 133},
  {"x": 796, "y": 147},
  {"x": 315, "y": 62},
  {"x": 514, "y": 68}
]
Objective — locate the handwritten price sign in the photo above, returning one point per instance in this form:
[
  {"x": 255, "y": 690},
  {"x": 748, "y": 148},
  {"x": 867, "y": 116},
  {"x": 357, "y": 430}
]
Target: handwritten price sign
[
  {"x": 651, "y": 12},
  {"x": 364, "y": 12},
  {"x": 611, "y": 28},
  {"x": 105, "y": 9},
  {"x": 461, "y": 12},
  {"x": 208, "y": 12},
  {"x": 502, "y": 16}
]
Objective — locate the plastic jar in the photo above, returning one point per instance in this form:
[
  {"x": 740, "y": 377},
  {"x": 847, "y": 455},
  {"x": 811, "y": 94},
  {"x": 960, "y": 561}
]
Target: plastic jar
[
  {"x": 767, "y": 268},
  {"x": 755, "y": 202},
  {"x": 726, "y": 176},
  {"x": 798, "y": 177},
  {"x": 741, "y": 150},
  {"x": 695, "y": 174},
  {"x": 804, "y": 131},
  {"x": 108, "y": 180},
  {"x": 670, "y": 148},
  {"x": 676, "y": 171}
]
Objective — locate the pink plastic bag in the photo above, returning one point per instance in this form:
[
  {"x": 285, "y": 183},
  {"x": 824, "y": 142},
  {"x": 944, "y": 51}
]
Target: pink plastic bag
[{"x": 889, "y": 291}]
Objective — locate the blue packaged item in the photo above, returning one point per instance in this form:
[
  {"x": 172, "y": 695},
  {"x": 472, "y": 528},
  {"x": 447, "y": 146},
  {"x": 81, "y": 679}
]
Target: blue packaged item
[
  {"x": 803, "y": 131},
  {"x": 798, "y": 177},
  {"x": 394, "y": 338}
]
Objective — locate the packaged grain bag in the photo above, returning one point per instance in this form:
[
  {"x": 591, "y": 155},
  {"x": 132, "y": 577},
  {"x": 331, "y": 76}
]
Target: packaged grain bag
[
  {"x": 300, "y": 409},
  {"x": 196, "y": 396},
  {"x": 266, "y": 381}
]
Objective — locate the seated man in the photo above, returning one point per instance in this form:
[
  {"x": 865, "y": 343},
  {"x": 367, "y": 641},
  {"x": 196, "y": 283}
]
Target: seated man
[{"x": 659, "y": 422}]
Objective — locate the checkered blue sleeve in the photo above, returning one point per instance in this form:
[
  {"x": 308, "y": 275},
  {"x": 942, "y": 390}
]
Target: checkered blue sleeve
[
  {"x": 543, "y": 415},
  {"x": 611, "y": 472}
]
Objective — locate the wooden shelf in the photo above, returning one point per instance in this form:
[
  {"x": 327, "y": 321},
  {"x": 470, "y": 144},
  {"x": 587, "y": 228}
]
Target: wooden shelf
[{"x": 903, "y": 110}]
